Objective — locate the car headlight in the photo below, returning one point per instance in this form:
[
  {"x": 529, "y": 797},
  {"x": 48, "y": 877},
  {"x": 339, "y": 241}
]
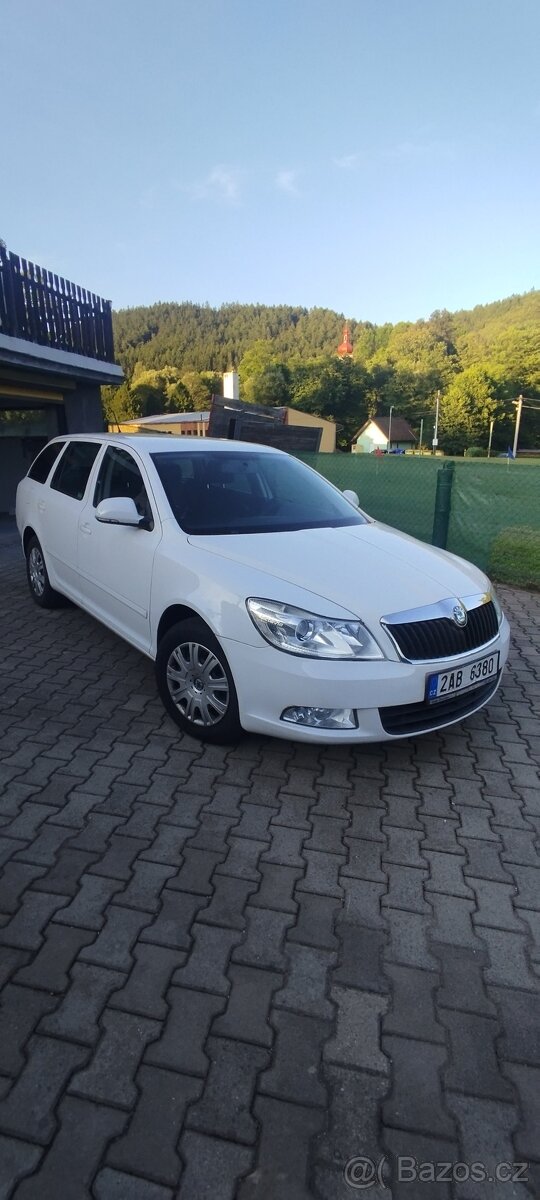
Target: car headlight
[
  {"x": 305, "y": 633},
  {"x": 496, "y": 605}
]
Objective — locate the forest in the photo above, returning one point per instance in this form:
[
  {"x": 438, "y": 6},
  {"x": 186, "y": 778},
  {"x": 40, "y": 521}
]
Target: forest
[{"x": 480, "y": 360}]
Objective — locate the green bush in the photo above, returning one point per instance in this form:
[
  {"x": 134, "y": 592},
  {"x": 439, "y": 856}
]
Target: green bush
[
  {"x": 515, "y": 557},
  {"x": 475, "y": 452}
]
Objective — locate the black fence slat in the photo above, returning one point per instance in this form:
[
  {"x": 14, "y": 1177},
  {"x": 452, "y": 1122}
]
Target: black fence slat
[
  {"x": 99, "y": 340},
  {"x": 23, "y": 291},
  {"x": 48, "y": 284},
  {"x": 100, "y": 346},
  {"x": 87, "y": 324},
  {"x": 42, "y": 303},
  {"x": 106, "y": 327},
  {"x": 79, "y": 320},
  {"x": 57, "y": 308},
  {"x": 64, "y": 308},
  {"x": 48, "y": 304},
  {"x": 73, "y": 315},
  {"x": 29, "y": 304},
  {"x": 5, "y": 281},
  {"x": 18, "y": 294}
]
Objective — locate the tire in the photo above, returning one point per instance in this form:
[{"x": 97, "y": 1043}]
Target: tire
[
  {"x": 196, "y": 685},
  {"x": 38, "y": 579}
]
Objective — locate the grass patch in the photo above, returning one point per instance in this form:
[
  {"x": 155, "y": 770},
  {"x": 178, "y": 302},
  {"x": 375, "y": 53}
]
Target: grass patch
[{"x": 515, "y": 557}]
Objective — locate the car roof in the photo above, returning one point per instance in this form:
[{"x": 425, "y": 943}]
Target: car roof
[{"x": 161, "y": 443}]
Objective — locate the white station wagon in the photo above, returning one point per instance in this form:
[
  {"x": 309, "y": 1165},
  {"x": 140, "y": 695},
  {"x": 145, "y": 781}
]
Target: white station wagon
[{"x": 268, "y": 601}]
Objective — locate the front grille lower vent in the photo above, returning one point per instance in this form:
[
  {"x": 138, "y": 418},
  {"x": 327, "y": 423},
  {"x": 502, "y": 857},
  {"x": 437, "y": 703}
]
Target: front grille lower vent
[
  {"x": 442, "y": 638},
  {"x": 404, "y": 720}
]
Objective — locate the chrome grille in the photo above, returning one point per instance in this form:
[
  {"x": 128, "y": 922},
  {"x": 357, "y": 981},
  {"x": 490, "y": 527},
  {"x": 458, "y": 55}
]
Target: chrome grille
[{"x": 441, "y": 638}]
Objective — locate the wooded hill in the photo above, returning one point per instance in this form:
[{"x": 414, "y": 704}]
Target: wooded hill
[{"x": 173, "y": 356}]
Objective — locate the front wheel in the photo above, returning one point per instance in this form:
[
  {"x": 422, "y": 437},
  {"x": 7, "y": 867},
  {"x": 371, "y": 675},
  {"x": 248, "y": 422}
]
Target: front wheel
[
  {"x": 38, "y": 579},
  {"x": 195, "y": 683}
]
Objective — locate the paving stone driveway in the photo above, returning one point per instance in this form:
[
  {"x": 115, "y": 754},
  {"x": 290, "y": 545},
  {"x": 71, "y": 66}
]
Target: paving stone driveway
[{"x": 228, "y": 972}]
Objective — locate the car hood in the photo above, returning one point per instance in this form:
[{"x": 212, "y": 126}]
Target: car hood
[{"x": 371, "y": 570}]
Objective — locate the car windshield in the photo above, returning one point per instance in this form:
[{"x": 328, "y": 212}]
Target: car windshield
[{"x": 233, "y": 492}]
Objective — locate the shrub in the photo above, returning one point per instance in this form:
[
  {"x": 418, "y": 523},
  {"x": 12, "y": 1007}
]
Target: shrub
[
  {"x": 515, "y": 557},
  {"x": 475, "y": 452}
]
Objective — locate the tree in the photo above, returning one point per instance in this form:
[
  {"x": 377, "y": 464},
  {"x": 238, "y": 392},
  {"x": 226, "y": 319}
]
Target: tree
[
  {"x": 333, "y": 388},
  {"x": 285, "y": 355},
  {"x": 517, "y": 355},
  {"x": 198, "y": 389},
  {"x": 272, "y": 386},
  {"x": 154, "y": 392},
  {"x": 253, "y": 364},
  {"x": 467, "y": 408},
  {"x": 117, "y": 404}
]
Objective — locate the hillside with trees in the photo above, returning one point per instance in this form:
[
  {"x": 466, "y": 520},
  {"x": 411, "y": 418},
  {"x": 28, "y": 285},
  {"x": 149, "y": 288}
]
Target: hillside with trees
[{"x": 173, "y": 356}]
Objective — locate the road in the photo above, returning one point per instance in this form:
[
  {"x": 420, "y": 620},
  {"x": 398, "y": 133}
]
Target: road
[{"x": 229, "y": 972}]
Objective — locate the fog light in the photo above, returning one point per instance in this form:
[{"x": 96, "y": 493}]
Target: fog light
[{"x": 321, "y": 718}]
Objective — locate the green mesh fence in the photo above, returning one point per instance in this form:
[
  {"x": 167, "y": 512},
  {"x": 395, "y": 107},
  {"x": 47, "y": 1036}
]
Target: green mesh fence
[
  {"x": 397, "y": 489},
  {"x": 495, "y": 518},
  {"x": 494, "y": 513}
]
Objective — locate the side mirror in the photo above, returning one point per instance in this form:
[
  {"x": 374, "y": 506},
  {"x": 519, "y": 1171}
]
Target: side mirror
[
  {"x": 351, "y": 497},
  {"x": 119, "y": 510}
]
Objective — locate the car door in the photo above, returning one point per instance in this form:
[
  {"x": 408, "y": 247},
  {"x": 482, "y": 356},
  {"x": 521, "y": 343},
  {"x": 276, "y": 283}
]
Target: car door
[
  {"x": 58, "y": 511},
  {"x": 115, "y": 561}
]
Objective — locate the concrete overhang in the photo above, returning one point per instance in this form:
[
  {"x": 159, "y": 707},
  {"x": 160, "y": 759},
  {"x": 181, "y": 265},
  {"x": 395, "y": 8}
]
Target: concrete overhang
[{"x": 18, "y": 352}]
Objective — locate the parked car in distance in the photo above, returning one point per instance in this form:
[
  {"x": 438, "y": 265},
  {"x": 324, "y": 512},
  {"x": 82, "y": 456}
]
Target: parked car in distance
[{"x": 268, "y": 601}]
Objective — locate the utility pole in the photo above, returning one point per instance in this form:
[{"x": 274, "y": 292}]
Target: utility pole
[
  {"x": 519, "y": 405},
  {"x": 435, "y": 441},
  {"x": 421, "y": 434},
  {"x": 491, "y": 424},
  {"x": 390, "y": 429}
]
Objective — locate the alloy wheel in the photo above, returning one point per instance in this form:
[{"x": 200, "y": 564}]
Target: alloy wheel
[
  {"x": 36, "y": 571},
  {"x": 198, "y": 684}
]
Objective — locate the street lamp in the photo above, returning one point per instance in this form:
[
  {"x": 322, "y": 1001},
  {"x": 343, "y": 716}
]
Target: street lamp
[
  {"x": 390, "y": 429},
  {"x": 519, "y": 405},
  {"x": 491, "y": 424}
]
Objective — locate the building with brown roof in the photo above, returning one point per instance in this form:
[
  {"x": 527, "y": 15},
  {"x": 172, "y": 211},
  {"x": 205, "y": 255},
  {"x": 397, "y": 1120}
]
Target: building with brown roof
[{"x": 384, "y": 435}]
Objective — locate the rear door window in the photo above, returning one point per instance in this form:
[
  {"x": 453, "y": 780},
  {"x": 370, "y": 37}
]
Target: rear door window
[
  {"x": 42, "y": 464},
  {"x": 73, "y": 470}
]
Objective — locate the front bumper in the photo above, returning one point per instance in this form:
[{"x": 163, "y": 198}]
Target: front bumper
[{"x": 269, "y": 681}]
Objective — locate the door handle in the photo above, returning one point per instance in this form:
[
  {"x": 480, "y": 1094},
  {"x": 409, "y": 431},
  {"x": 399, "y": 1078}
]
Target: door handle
[{"x": 85, "y": 527}]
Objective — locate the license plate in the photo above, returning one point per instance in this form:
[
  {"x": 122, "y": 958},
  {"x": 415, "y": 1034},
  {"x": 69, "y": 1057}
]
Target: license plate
[{"x": 459, "y": 679}]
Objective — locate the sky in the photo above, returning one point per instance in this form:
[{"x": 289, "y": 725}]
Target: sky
[{"x": 376, "y": 157}]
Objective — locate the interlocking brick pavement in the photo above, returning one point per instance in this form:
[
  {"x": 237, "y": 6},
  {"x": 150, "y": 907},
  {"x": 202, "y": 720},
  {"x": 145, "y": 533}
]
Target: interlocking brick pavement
[{"x": 225, "y": 972}]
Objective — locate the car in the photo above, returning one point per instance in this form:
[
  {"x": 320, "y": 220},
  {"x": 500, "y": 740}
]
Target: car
[{"x": 267, "y": 599}]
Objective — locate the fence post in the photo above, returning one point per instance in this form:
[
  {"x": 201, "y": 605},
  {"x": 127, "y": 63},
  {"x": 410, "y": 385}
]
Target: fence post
[
  {"x": 9, "y": 321},
  {"x": 443, "y": 504}
]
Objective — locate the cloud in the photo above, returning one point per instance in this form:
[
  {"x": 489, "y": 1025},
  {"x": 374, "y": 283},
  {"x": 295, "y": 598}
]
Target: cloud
[
  {"x": 415, "y": 151},
  {"x": 347, "y": 161},
  {"x": 223, "y": 183},
  {"x": 286, "y": 181}
]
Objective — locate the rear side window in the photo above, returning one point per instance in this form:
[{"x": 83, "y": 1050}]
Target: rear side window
[
  {"x": 42, "y": 464},
  {"x": 71, "y": 475}
]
